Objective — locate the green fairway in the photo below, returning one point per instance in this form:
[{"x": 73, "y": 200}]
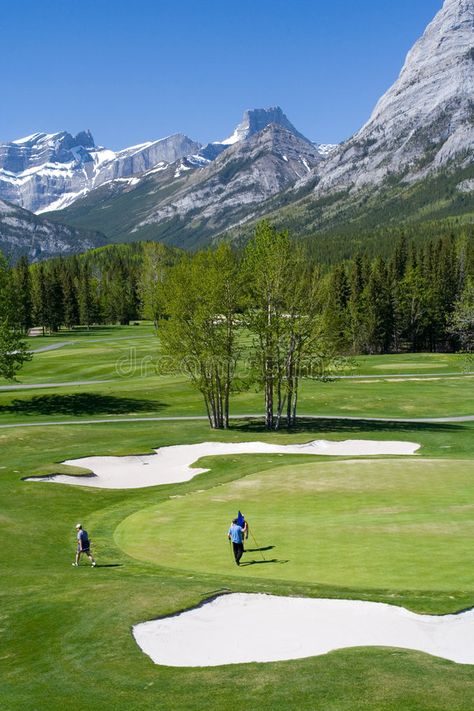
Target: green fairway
[
  {"x": 173, "y": 396},
  {"x": 413, "y": 363},
  {"x": 396, "y": 530},
  {"x": 125, "y": 359}
]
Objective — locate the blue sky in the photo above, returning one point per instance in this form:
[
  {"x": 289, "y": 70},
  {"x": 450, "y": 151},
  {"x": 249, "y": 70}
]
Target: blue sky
[{"x": 141, "y": 69}]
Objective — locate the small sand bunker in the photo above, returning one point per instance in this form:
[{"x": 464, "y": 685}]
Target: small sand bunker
[
  {"x": 171, "y": 465},
  {"x": 240, "y": 628}
]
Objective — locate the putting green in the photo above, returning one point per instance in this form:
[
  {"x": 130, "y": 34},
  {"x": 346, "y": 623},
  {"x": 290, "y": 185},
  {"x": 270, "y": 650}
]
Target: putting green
[{"x": 370, "y": 524}]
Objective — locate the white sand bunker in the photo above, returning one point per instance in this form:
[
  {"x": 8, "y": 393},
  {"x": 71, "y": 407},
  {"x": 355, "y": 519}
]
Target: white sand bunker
[
  {"x": 239, "y": 628},
  {"x": 171, "y": 465}
]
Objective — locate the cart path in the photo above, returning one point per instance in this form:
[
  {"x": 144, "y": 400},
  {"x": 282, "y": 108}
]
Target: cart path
[
  {"x": 390, "y": 376},
  {"x": 52, "y": 347},
  {"x": 190, "y": 418},
  {"x": 38, "y": 386},
  {"x": 72, "y": 383}
]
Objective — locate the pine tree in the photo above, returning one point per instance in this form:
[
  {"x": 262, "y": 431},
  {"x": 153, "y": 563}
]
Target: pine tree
[
  {"x": 54, "y": 312},
  {"x": 336, "y": 313},
  {"x": 378, "y": 309},
  {"x": 13, "y": 350},
  {"x": 70, "y": 298},
  {"x": 39, "y": 295},
  {"x": 86, "y": 296},
  {"x": 356, "y": 329},
  {"x": 23, "y": 295}
]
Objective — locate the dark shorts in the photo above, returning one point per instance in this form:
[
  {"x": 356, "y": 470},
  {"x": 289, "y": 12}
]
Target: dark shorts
[{"x": 83, "y": 550}]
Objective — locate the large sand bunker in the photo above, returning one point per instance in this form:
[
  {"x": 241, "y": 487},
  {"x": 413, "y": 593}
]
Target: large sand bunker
[
  {"x": 239, "y": 628},
  {"x": 171, "y": 465}
]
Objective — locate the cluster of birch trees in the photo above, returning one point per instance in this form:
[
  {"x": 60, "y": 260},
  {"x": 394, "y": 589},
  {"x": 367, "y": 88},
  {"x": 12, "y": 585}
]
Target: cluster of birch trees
[{"x": 237, "y": 319}]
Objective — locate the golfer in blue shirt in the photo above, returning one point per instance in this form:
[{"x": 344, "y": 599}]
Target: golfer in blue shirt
[{"x": 236, "y": 535}]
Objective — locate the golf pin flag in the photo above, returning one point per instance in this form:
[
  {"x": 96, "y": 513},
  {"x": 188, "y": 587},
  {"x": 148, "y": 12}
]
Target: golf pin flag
[{"x": 240, "y": 519}]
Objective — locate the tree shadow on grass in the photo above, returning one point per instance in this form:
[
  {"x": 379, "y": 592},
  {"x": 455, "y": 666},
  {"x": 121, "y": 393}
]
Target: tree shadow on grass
[
  {"x": 328, "y": 425},
  {"x": 80, "y": 404}
]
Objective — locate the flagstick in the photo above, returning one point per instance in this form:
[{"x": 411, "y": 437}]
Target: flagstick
[{"x": 256, "y": 544}]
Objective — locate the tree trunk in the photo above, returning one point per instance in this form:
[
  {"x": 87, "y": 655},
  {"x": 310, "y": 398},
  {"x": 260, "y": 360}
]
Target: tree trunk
[{"x": 268, "y": 394}]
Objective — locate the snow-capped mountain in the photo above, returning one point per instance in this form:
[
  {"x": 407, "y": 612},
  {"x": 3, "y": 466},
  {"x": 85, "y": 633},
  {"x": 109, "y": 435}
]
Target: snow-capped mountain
[
  {"x": 423, "y": 125},
  {"x": 49, "y": 171},
  {"x": 22, "y": 232},
  {"x": 254, "y": 121},
  {"x": 251, "y": 170},
  {"x": 174, "y": 189},
  {"x": 189, "y": 202},
  {"x": 425, "y": 120}
]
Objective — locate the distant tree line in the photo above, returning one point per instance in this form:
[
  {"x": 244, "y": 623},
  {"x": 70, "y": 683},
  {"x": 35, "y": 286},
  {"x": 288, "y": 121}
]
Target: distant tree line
[
  {"x": 273, "y": 289},
  {"x": 411, "y": 301}
]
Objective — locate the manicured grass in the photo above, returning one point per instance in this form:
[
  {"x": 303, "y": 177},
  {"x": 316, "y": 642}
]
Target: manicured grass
[
  {"x": 393, "y": 530},
  {"x": 169, "y": 396},
  {"x": 53, "y": 615},
  {"x": 423, "y": 363},
  {"x": 173, "y": 396},
  {"x": 126, "y": 358},
  {"x": 376, "y": 523}
]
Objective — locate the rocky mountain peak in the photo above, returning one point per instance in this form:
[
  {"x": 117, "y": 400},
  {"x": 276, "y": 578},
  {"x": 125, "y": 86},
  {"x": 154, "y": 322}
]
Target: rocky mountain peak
[
  {"x": 425, "y": 119},
  {"x": 440, "y": 64},
  {"x": 85, "y": 139},
  {"x": 255, "y": 120},
  {"x": 47, "y": 171}
]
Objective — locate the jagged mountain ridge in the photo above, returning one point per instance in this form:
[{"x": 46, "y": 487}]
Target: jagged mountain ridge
[
  {"x": 49, "y": 171},
  {"x": 22, "y": 232},
  {"x": 45, "y": 172},
  {"x": 420, "y": 130},
  {"x": 413, "y": 159},
  {"x": 190, "y": 204}
]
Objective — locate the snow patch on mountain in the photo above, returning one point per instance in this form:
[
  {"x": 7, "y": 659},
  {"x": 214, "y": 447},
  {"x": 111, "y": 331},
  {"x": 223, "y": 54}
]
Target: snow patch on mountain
[
  {"x": 325, "y": 149},
  {"x": 46, "y": 171},
  {"x": 466, "y": 186}
]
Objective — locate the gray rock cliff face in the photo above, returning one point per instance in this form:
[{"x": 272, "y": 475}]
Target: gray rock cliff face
[
  {"x": 22, "y": 232},
  {"x": 426, "y": 119},
  {"x": 49, "y": 171},
  {"x": 247, "y": 173},
  {"x": 255, "y": 120}
]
